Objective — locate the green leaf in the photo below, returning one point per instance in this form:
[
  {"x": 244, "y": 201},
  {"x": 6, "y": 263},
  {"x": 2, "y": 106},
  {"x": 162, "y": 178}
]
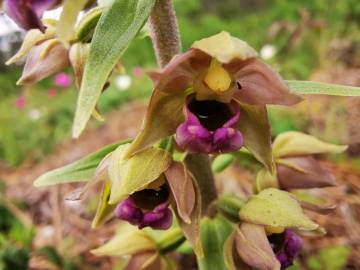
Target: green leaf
[
  {"x": 130, "y": 175},
  {"x": 297, "y": 143},
  {"x": 79, "y": 171},
  {"x": 214, "y": 233},
  {"x": 117, "y": 27},
  {"x": 317, "y": 88},
  {"x": 221, "y": 162},
  {"x": 276, "y": 208}
]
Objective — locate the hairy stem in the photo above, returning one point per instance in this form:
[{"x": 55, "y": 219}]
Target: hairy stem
[
  {"x": 164, "y": 31},
  {"x": 166, "y": 42}
]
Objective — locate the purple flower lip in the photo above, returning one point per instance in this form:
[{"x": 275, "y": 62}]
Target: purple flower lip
[
  {"x": 27, "y": 13},
  {"x": 210, "y": 127},
  {"x": 286, "y": 246},
  {"x": 147, "y": 208}
]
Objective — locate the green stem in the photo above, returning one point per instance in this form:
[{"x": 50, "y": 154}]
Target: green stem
[{"x": 200, "y": 166}]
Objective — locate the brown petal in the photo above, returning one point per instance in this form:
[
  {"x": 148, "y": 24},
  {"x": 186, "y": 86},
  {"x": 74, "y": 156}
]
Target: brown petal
[
  {"x": 320, "y": 209},
  {"x": 303, "y": 172},
  {"x": 181, "y": 185},
  {"x": 255, "y": 128},
  {"x": 192, "y": 230},
  {"x": 179, "y": 74},
  {"x": 164, "y": 115},
  {"x": 261, "y": 85},
  {"x": 44, "y": 60},
  {"x": 144, "y": 261},
  {"x": 254, "y": 248}
]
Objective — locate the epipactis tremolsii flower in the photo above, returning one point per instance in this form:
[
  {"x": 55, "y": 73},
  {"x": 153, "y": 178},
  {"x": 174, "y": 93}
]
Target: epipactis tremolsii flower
[
  {"x": 27, "y": 13},
  {"x": 146, "y": 189},
  {"x": 147, "y": 208},
  {"x": 213, "y": 97}
]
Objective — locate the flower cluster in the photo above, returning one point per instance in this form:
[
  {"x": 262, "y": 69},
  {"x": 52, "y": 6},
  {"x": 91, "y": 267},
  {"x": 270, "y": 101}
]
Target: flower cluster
[{"x": 207, "y": 101}]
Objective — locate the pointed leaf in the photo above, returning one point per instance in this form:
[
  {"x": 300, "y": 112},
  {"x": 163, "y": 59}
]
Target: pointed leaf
[
  {"x": 182, "y": 189},
  {"x": 297, "y": 143},
  {"x": 117, "y": 27},
  {"x": 164, "y": 115},
  {"x": 318, "y": 88},
  {"x": 277, "y": 208},
  {"x": 254, "y": 248},
  {"x": 79, "y": 171},
  {"x": 130, "y": 175},
  {"x": 255, "y": 128},
  {"x": 127, "y": 241}
]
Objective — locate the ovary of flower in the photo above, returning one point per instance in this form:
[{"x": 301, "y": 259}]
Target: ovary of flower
[{"x": 217, "y": 78}]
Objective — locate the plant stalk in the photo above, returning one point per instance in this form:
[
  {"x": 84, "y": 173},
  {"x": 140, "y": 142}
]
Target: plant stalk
[
  {"x": 164, "y": 31},
  {"x": 166, "y": 42}
]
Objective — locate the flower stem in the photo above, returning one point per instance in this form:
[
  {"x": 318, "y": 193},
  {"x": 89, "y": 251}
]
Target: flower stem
[
  {"x": 164, "y": 31},
  {"x": 200, "y": 166},
  {"x": 166, "y": 42}
]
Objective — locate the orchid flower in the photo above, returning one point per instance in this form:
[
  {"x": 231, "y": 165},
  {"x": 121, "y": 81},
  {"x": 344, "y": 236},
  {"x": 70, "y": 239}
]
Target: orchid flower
[
  {"x": 144, "y": 197},
  {"x": 213, "y": 98}
]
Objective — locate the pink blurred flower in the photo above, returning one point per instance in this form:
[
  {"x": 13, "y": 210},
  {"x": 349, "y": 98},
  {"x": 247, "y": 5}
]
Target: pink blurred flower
[
  {"x": 138, "y": 72},
  {"x": 52, "y": 92},
  {"x": 62, "y": 79},
  {"x": 20, "y": 102}
]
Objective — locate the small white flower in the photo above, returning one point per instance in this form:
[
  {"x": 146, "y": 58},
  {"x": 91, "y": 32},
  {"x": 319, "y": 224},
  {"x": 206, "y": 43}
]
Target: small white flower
[
  {"x": 34, "y": 114},
  {"x": 267, "y": 52},
  {"x": 123, "y": 82}
]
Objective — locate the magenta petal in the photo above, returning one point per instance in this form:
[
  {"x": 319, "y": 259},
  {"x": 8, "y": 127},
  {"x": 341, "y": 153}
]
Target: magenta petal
[
  {"x": 291, "y": 248},
  {"x": 227, "y": 140},
  {"x": 128, "y": 211},
  {"x": 293, "y": 243},
  {"x": 194, "y": 138},
  {"x": 160, "y": 220}
]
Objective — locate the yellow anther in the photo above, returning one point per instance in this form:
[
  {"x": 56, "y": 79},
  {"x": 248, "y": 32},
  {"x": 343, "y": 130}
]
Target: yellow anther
[
  {"x": 273, "y": 229},
  {"x": 217, "y": 78}
]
